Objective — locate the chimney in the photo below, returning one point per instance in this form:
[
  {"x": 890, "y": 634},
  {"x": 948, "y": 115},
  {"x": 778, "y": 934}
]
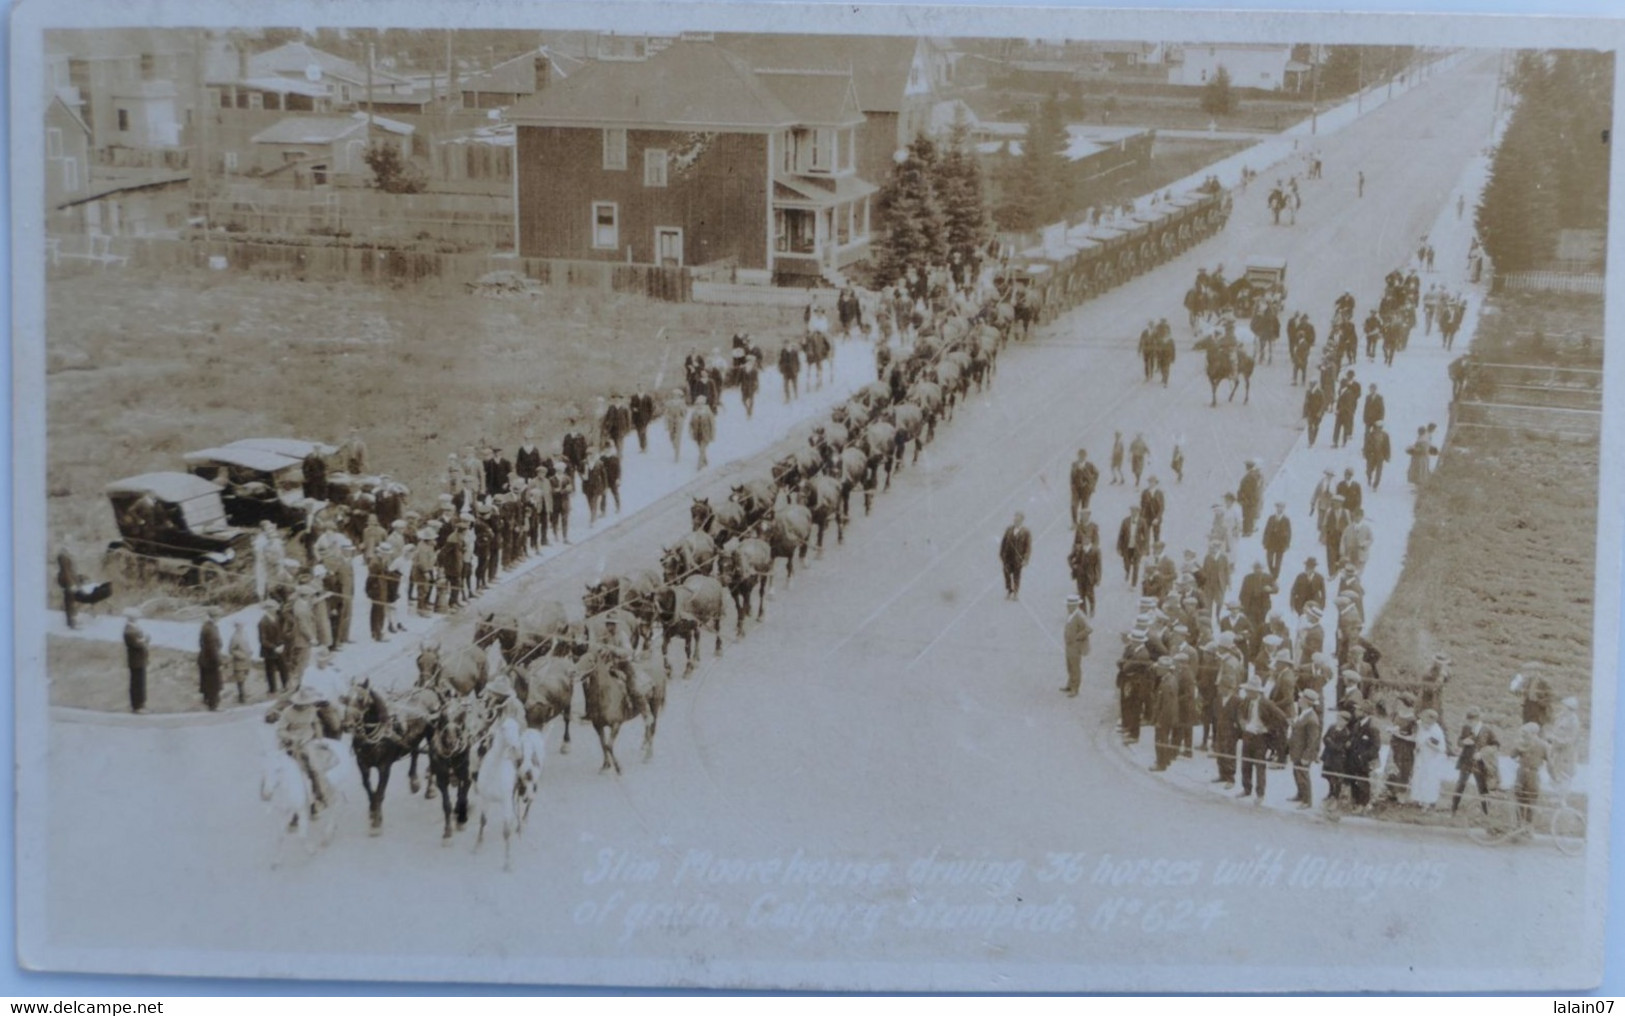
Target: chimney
[
  {"x": 544, "y": 71},
  {"x": 241, "y": 48}
]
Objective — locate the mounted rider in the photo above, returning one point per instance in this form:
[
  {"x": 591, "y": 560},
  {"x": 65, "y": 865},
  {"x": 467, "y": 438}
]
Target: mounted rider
[{"x": 307, "y": 729}]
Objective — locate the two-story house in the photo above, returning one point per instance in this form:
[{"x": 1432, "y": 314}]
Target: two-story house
[
  {"x": 67, "y": 154},
  {"x": 133, "y": 83},
  {"x": 692, "y": 157}
]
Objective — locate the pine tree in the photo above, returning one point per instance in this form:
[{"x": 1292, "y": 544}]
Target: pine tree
[
  {"x": 1036, "y": 187},
  {"x": 959, "y": 188},
  {"x": 1218, "y": 99},
  {"x": 915, "y": 227}
]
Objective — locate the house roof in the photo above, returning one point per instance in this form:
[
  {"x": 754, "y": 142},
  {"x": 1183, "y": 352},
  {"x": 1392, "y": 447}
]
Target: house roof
[
  {"x": 518, "y": 74},
  {"x": 294, "y": 58},
  {"x": 71, "y": 109},
  {"x": 282, "y": 86},
  {"x": 821, "y": 192},
  {"x": 687, "y": 84},
  {"x": 879, "y": 64},
  {"x": 322, "y": 130},
  {"x": 819, "y": 98}
]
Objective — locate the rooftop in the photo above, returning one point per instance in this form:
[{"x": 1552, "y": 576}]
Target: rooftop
[{"x": 879, "y": 64}]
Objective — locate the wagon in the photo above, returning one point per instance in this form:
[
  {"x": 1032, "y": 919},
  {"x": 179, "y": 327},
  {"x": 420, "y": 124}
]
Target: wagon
[
  {"x": 1267, "y": 273},
  {"x": 173, "y": 524}
]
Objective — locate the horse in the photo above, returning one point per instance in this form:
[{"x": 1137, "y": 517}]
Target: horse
[
  {"x": 532, "y": 750},
  {"x": 745, "y": 566},
  {"x": 497, "y": 788},
  {"x": 1232, "y": 364},
  {"x": 757, "y": 496},
  {"x": 461, "y": 670},
  {"x": 1266, "y": 327},
  {"x": 285, "y": 788},
  {"x": 822, "y": 496},
  {"x": 615, "y": 692},
  {"x": 686, "y": 609},
  {"x": 546, "y": 686},
  {"x": 927, "y": 396},
  {"x": 543, "y": 632},
  {"x": 910, "y": 423},
  {"x": 633, "y": 593},
  {"x": 787, "y": 534},
  {"x": 451, "y": 741},
  {"x": 720, "y": 523},
  {"x": 692, "y": 554},
  {"x": 379, "y": 738},
  {"x": 852, "y": 470},
  {"x": 787, "y": 472}
]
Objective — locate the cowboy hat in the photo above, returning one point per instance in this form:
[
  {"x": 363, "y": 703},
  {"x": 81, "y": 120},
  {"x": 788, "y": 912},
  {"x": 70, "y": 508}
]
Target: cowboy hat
[{"x": 304, "y": 695}]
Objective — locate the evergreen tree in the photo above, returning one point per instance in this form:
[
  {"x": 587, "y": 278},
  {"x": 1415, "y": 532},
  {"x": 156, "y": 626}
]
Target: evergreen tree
[
  {"x": 911, "y": 214},
  {"x": 959, "y": 188},
  {"x": 1036, "y": 187},
  {"x": 1218, "y": 98}
]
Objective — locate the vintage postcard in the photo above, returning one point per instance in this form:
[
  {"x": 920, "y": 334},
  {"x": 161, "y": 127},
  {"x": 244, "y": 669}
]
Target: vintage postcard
[{"x": 722, "y": 496}]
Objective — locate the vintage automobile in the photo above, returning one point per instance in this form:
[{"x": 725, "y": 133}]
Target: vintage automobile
[
  {"x": 1266, "y": 274},
  {"x": 343, "y": 487},
  {"x": 256, "y": 485},
  {"x": 174, "y": 524}
]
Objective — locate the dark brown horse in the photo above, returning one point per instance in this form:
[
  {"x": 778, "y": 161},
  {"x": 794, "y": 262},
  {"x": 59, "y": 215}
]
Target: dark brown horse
[
  {"x": 380, "y": 735},
  {"x": 546, "y": 686},
  {"x": 721, "y": 523},
  {"x": 787, "y": 534},
  {"x": 451, "y": 742},
  {"x": 757, "y": 496},
  {"x": 687, "y": 609},
  {"x": 822, "y": 496},
  {"x": 544, "y": 631},
  {"x": 616, "y": 691},
  {"x": 1227, "y": 362},
  {"x": 745, "y": 568}
]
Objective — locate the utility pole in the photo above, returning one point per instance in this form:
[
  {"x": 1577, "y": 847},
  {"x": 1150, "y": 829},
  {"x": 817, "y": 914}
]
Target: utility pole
[
  {"x": 370, "y": 56},
  {"x": 1359, "y": 79},
  {"x": 1314, "y": 93},
  {"x": 200, "y": 123}
]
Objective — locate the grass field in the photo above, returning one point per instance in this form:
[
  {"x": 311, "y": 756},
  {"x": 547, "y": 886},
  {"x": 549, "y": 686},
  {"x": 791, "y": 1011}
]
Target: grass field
[
  {"x": 1500, "y": 565},
  {"x": 93, "y": 675},
  {"x": 144, "y": 366}
]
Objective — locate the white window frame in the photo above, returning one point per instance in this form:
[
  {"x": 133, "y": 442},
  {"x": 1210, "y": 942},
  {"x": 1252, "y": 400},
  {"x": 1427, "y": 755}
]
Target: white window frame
[
  {"x": 821, "y": 157},
  {"x": 256, "y": 100},
  {"x": 53, "y": 142},
  {"x": 614, "y": 239},
  {"x": 655, "y": 167},
  {"x": 70, "y": 174},
  {"x": 614, "y": 147}
]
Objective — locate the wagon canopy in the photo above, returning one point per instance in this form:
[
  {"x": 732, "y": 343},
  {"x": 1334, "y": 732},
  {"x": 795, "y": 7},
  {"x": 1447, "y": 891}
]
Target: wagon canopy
[{"x": 198, "y": 499}]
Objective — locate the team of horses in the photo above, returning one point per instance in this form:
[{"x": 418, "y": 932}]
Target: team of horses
[{"x": 478, "y": 711}]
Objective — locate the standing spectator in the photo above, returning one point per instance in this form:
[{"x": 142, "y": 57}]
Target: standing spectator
[
  {"x": 136, "y": 643},
  {"x": 1015, "y": 547},
  {"x": 1138, "y": 453},
  {"x": 1331, "y": 532},
  {"x": 1232, "y": 519},
  {"x": 1133, "y": 543},
  {"x": 1085, "y": 564},
  {"x": 1421, "y": 458},
  {"x": 694, "y": 373},
  {"x": 1257, "y": 591},
  {"x": 617, "y": 422},
  {"x": 1350, "y": 622},
  {"x": 1152, "y": 506},
  {"x": 449, "y": 559},
  {"x": 1428, "y": 774},
  {"x": 1165, "y": 714},
  {"x": 1258, "y": 714},
  {"x": 315, "y": 476},
  {"x": 1348, "y": 399},
  {"x": 1536, "y": 692},
  {"x": 1077, "y": 635},
  {"x": 1321, "y": 501},
  {"x": 1226, "y": 731},
  {"x": 1308, "y": 589},
  {"x": 1177, "y": 463},
  {"x": 423, "y": 573},
  {"x": 1314, "y": 408},
  {"x": 563, "y": 491},
  {"x": 702, "y": 427},
  {"x": 642, "y": 412},
  {"x": 1277, "y": 539},
  {"x": 1531, "y": 753},
  {"x": 67, "y": 579},
  {"x": 1357, "y": 541},
  {"x": 1477, "y": 759},
  {"x": 1215, "y": 573},
  {"x": 1084, "y": 478},
  {"x": 1378, "y": 450},
  {"x": 1334, "y": 757},
  {"x": 1303, "y": 746},
  {"x": 1250, "y": 495},
  {"x": 273, "y": 645},
  {"x": 1364, "y": 747},
  {"x": 1375, "y": 409},
  {"x": 209, "y": 660},
  {"x": 1117, "y": 457},
  {"x": 1431, "y": 693},
  {"x": 573, "y": 446},
  {"x": 527, "y": 460},
  {"x": 241, "y": 658},
  {"x": 790, "y": 371},
  {"x": 301, "y": 633},
  {"x": 1563, "y": 737},
  {"x": 676, "y": 410},
  {"x": 609, "y": 458}
]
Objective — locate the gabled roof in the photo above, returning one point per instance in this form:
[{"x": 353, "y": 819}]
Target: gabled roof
[
  {"x": 685, "y": 85},
  {"x": 879, "y": 64},
  {"x": 72, "y": 111},
  {"x": 322, "y": 130},
  {"x": 293, "y": 58},
  {"x": 518, "y": 75},
  {"x": 817, "y": 98}
]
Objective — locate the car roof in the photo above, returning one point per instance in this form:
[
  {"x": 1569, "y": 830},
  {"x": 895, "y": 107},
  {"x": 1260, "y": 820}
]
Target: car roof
[
  {"x": 1259, "y": 262},
  {"x": 249, "y": 458},
  {"x": 291, "y": 447},
  {"x": 172, "y": 487}
]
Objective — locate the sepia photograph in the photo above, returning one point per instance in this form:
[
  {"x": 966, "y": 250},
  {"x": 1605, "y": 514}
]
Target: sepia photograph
[{"x": 722, "y": 497}]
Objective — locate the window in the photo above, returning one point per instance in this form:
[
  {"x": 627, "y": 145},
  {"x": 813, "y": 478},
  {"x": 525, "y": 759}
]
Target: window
[
  {"x": 70, "y": 174},
  {"x": 256, "y": 100},
  {"x": 654, "y": 167},
  {"x": 614, "y": 148},
  {"x": 231, "y": 162},
  {"x": 149, "y": 66},
  {"x": 318, "y": 175},
  {"x": 123, "y": 119},
  {"x": 344, "y": 93},
  {"x": 53, "y": 143},
  {"x": 606, "y": 233},
  {"x": 823, "y": 150}
]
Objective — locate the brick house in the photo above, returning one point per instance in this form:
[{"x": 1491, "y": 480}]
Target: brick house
[{"x": 692, "y": 157}]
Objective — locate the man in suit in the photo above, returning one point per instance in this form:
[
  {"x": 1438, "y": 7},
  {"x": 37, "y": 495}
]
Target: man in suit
[
  {"x": 1314, "y": 408},
  {"x": 1250, "y": 495},
  {"x": 1257, "y": 715},
  {"x": 1349, "y": 490},
  {"x": 1378, "y": 450},
  {"x": 573, "y": 446},
  {"x": 1165, "y": 714},
  {"x": 1331, "y": 532},
  {"x": 1308, "y": 588},
  {"x": 1226, "y": 732},
  {"x": 1014, "y": 550},
  {"x": 642, "y": 413},
  {"x": 1303, "y": 746},
  {"x": 1257, "y": 589},
  {"x": 1277, "y": 538},
  {"x": 1321, "y": 501},
  {"x": 136, "y": 642},
  {"x": 209, "y": 660},
  {"x": 1078, "y": 630},
  {"x": 1348, "y": 400},
  {"x": 1477, "y": 748},
  {"x": 617, "y": 420},
  {"x": 1085, "y": 564},
  {"x": 1133, "y": 543},
  {"x": 1084, "y": 478},
  {"x": 1375, "y": 410},
  {"x": 272, "y": 642},
  {"x": 1152, "y": 505}
]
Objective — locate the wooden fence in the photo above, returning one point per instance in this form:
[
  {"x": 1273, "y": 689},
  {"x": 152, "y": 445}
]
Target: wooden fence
[
  {"x": 475, "y": 220},
  {"x": 1551, "y": 282},
  {"x": 335, "y": 262}
]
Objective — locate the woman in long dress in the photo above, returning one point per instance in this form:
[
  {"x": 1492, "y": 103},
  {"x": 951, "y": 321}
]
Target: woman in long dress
[
  {"x": 1421, "y": 458},
  {"x": 1431, "y": 759}
]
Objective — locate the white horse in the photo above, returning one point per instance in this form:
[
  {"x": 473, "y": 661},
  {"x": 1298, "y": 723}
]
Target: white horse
[
  {"x": 496, "y": 786},
  {"x": 284, "y": 787},
  {"x": 532, "y": 749}
]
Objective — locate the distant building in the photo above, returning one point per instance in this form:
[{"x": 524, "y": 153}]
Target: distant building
[
  {"x": 307, "y": 152},
  {"x": 67, "y": 154},
  {"x": 517, "y": 78},
  {"x": 693, "y": 156},
  {"x": 133, "y": 84},
  {"x": 1265, "y": 66},
  {"x": 344, "y": 82}
]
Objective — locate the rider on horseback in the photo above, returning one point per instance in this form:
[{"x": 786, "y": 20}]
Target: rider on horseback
[{"x": 302, "y": 732}]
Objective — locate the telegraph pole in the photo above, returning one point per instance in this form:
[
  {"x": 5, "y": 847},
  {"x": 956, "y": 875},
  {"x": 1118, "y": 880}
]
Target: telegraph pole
[
  {"x": 1314, "y": 93},
  {"x": 1359, "y": 79},
  {"x": 200, "y": 124},
  {"x": 370, "y": 57}
]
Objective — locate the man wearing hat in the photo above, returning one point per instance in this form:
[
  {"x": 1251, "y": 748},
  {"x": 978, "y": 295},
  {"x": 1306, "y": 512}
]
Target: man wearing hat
[
  {"x": 136, "y": 643},
  {"x": 1314, "y": 409},
  {"x": 1250, "y": 495},
  {"x": 301, "y": 632},
  {"x": 1084, "y": 478},
  {"x": 1348, "y": 400},
  {"x": 1226, "y": 729},
  {"x": 1277, "y": 539},
  {"x": 1084, "y": 561},
  {"x": 1215, "y": 573},
  {"x": 1134, "y": 675},
  {"x": 273, "y": 646},
  {"x": 573, "y": 447},
  {"x": 1152, "y": 505},
  {"x": 1378, "y": 450},
  {"x": 1165, "y": 714},
  {"x": 300, "y": 728},
  {"x": 1337, "y": 519},
  {"x": 1357, "y": 541},
  {"x": 1133, "y": 542},
  {"x": 617, "y": 422},
  {"x": 1015, "y": 548},
  {"x": 1078, "y": 630},
  {"x": 1536, "y": 692},
  {"x": 1477, "y": 748},
  {"x": 1256, "y": 594},
  {"x": 1308, "y": 589},
  {"x": 1348, "y": 488},
  {"x": 1303, "y": 746},
  {"x": 702, "y": 427},
  {"x": 209, "y": 660},
  {"x": 1258, "y": 714},
  {"x": 641, "y": 413},
  {"x": 1138, "y": 452},
  {"x": 1334, "y": 756},
  {"x": 1321, "y": 501}
]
